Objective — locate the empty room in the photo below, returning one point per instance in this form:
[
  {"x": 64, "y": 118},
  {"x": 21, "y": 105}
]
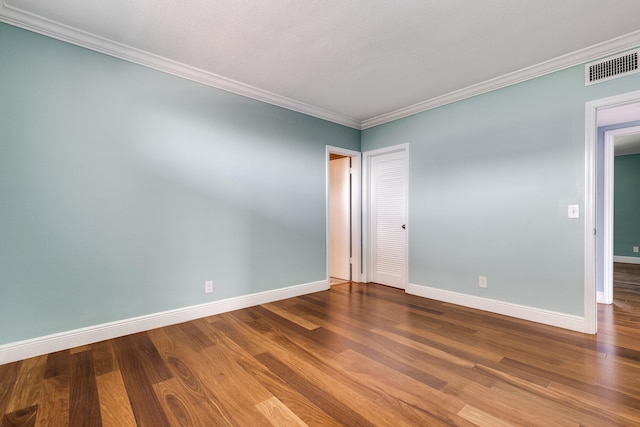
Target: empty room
[{"x": 317, "y": 213}]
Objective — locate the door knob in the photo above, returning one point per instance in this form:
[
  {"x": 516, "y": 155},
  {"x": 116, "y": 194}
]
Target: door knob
[{"x": 404, "y": 226}]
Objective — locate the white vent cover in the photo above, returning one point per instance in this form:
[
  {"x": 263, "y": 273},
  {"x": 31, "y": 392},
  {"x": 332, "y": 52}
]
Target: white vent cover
[{"x": 611, "y": 67}]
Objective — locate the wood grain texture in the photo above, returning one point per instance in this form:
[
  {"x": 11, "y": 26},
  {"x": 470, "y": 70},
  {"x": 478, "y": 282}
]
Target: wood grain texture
[
  {"x": 115, "y": 407},
  {"x": 135, "y": 364},
  {"x": 278, "y": 414},
  {"x": 22, "y": 418},
  {"x": 84, "y": 407},
  {"x": 53, "y": 408},
  {"x": 8, "y": 380},
  {"x": 28, "y": 384},
  {"x": 355, "y": 355}
]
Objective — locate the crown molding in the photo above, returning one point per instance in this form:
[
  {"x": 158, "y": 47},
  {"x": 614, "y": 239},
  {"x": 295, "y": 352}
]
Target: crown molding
[
  {"x": 56, "y": 30},
  {"x": 579, "y": 57},
  {"x": 23, "y": 19}
]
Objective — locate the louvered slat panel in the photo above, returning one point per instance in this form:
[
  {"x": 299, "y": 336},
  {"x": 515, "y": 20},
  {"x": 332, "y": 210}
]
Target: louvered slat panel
[{"x": 388, "y": 187}]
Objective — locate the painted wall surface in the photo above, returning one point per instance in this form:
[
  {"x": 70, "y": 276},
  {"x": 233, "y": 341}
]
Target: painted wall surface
[
  {"x": 490, "y": 181},
  {"x": 123, "y": 189},
  {"x": 626, "y": 201}
]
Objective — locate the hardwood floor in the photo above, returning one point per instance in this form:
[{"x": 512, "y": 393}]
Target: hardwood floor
[
  {"x": 359, "y": 355},
  {"x": 626, "y": 287}
]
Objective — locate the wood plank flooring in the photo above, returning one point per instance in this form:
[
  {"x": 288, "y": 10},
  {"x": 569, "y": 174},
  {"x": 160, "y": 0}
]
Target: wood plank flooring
[{"x": 357, "y": 355}]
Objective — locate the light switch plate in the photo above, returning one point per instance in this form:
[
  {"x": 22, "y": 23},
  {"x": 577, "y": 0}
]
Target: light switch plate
[{"x": 573, "y": 211}]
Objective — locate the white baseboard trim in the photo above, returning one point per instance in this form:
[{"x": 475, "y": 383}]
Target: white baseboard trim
[
  {"x": 600, "y": 297},
  {"x": 627, "y": 259},
  {"x": 547, "y": 317},
  {"x": 64, "y": 340}
]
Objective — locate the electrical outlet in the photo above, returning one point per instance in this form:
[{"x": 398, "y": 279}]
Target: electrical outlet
[
  {"x": 208, "y": 286},
  {"x": 482, "y": 281},
  {"x": 636, "y": 249}
]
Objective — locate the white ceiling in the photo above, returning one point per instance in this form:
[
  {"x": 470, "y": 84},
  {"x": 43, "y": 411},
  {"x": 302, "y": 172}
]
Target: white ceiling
[{"x": 356, "y": 62}]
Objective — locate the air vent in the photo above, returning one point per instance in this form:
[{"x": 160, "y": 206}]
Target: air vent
[{"x": 611, "y": 68}]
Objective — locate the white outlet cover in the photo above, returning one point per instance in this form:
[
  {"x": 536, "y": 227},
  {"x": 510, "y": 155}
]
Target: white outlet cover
[
  {"x": 482, "y": 281},
  {"x": 208, "y": 286},
  {"x": 573, "y": 211}
]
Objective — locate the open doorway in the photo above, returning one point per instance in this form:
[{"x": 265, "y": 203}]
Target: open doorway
[
  {"x": 618, "y": 137},
  {"x": 595, "y": 225},
  {"x": 343, "y": 216},
  {"x": 340, "y": 218}
]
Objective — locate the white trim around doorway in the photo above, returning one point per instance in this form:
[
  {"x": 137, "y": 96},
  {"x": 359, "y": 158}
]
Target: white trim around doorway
[
  {"x": 590, "y": 261},
  {"x": 606, "y": 297}
]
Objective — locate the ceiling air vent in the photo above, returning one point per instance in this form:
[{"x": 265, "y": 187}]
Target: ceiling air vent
[{"x": 611, "y": 68}]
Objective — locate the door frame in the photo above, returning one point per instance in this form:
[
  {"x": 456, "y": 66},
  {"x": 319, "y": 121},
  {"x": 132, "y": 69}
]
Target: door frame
[
  {"x": 366, "y": 208},
  {"x": 356, "y": 212},
  {"x": 590, "y": 257},
  {"x": 609, "y": 170}
]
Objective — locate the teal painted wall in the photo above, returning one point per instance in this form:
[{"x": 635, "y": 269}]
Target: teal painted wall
[
  {"x": 626, "y": 210},
  {"x": 123, "y": 189},
  {"x": 490, "y": 181}
]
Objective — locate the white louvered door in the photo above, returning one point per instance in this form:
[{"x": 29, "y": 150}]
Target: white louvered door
[{"x": 388, "y": 208}]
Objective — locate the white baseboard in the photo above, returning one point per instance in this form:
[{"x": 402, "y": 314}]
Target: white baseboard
[
  {"x": 561, "y": 320},
  {"x": 627, "y": 259},
  {"x": 64, "y": 340},
  {"x": 600, "y": 297}
]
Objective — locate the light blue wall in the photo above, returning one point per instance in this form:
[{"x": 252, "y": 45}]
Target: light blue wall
[
  {"x": 626, "y": 202},
  {"x": 123, "y": 189},
  {"x": 490, "y": 181}
]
